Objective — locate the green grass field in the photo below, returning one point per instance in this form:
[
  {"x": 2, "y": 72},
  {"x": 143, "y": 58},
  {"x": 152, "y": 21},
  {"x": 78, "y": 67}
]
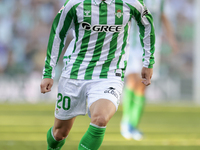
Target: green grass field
[{"x": 24, "y": 127}]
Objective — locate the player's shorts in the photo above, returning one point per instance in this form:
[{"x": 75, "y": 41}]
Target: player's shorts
[{"x": 76, "y": 96}]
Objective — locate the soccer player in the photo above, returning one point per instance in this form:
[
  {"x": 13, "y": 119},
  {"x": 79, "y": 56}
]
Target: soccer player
[
  {"x": 134, "y": 89},
  {"x": 94, "y": 64}
]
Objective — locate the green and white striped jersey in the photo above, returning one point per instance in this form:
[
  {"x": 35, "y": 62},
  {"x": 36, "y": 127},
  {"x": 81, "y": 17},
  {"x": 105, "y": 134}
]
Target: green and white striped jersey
[{"x": 101, "y": 33}]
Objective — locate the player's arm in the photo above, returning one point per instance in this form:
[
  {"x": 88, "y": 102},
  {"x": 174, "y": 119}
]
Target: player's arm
[
  {"x": 61, "y": 25},
  {"x": 149, "y": 49},
  {"x": 147, "y": 38}
]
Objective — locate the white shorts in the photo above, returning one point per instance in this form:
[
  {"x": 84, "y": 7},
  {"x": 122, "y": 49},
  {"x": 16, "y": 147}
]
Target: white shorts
[{"x": 76, "y": 96}]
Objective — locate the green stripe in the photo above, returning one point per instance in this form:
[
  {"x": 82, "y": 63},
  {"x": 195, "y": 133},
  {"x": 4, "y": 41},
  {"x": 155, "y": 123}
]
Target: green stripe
[
  {"x": 99, "y": 43},
  {"x": 141, "y": 1},
  {"x": 85, "y": 41},
  {"x": 76, "y": 31},
  {"x": 65, "y": 28},
  {"x": 66, "y": 2},
  {"x": 123, "y": 49},
  {"x": 123, "y": 70},
  {"x": 152, "y": 39},
  {"x": 113, "y": 43}
]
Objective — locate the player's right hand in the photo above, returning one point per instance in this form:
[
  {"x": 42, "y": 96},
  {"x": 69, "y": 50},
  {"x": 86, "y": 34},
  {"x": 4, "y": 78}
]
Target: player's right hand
[
  {"x": 46, "y": 85},
  {"x": 146, "y": 74}
]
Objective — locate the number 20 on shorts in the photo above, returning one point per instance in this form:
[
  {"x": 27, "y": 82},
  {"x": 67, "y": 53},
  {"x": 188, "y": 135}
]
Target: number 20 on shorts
[{"x": 65, "y": 100}]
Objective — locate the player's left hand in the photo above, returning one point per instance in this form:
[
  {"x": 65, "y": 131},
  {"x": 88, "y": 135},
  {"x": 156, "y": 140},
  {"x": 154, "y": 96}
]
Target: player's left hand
[{"x": 146, "y": 75}]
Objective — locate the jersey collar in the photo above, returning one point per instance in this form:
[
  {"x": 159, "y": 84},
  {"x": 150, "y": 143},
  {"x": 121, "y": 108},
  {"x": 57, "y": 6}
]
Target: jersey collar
[{"x": 97, "y": 2}]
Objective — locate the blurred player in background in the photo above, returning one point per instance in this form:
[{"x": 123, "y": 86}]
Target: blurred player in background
[
  {"x": 95, "y": 62},
  {"x": 134, "y": 90}
]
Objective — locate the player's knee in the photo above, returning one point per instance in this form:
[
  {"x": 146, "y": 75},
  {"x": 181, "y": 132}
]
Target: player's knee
[
  {"x": 59, "y": 135},
  {"x": 99, "y": 120}
]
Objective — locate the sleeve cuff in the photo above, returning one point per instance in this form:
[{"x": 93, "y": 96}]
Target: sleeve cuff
[
  {"x": 47, "y": 76},
  {"x": 149, "y": 66}
]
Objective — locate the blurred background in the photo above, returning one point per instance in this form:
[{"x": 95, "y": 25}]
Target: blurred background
[
  {"x": 25, "y": 116},
  {"x": 24, "y": 31}
]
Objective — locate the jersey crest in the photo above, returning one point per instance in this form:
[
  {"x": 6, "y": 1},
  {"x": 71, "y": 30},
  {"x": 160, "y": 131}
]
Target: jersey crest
[{"x": 119, "y": 13}]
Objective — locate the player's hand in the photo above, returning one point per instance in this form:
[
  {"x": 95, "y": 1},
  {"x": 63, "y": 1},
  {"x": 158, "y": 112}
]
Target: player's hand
[
  {"x": 146, "y": 75},
  {"x": 46, "y": 85}
]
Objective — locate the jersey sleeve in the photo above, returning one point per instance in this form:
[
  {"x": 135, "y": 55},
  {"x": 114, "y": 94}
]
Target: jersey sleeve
[
  {"x": 61, "y": 25},
  {"x": 144, "y": 21}
]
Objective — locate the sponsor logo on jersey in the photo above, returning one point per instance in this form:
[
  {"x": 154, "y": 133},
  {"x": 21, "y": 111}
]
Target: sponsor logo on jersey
[
  {"x": 112, "y": 91},
  {"x": 87, "y": 13},
  {"x": 102, "y": 28},
  {"x": 119, "y": 13}
]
